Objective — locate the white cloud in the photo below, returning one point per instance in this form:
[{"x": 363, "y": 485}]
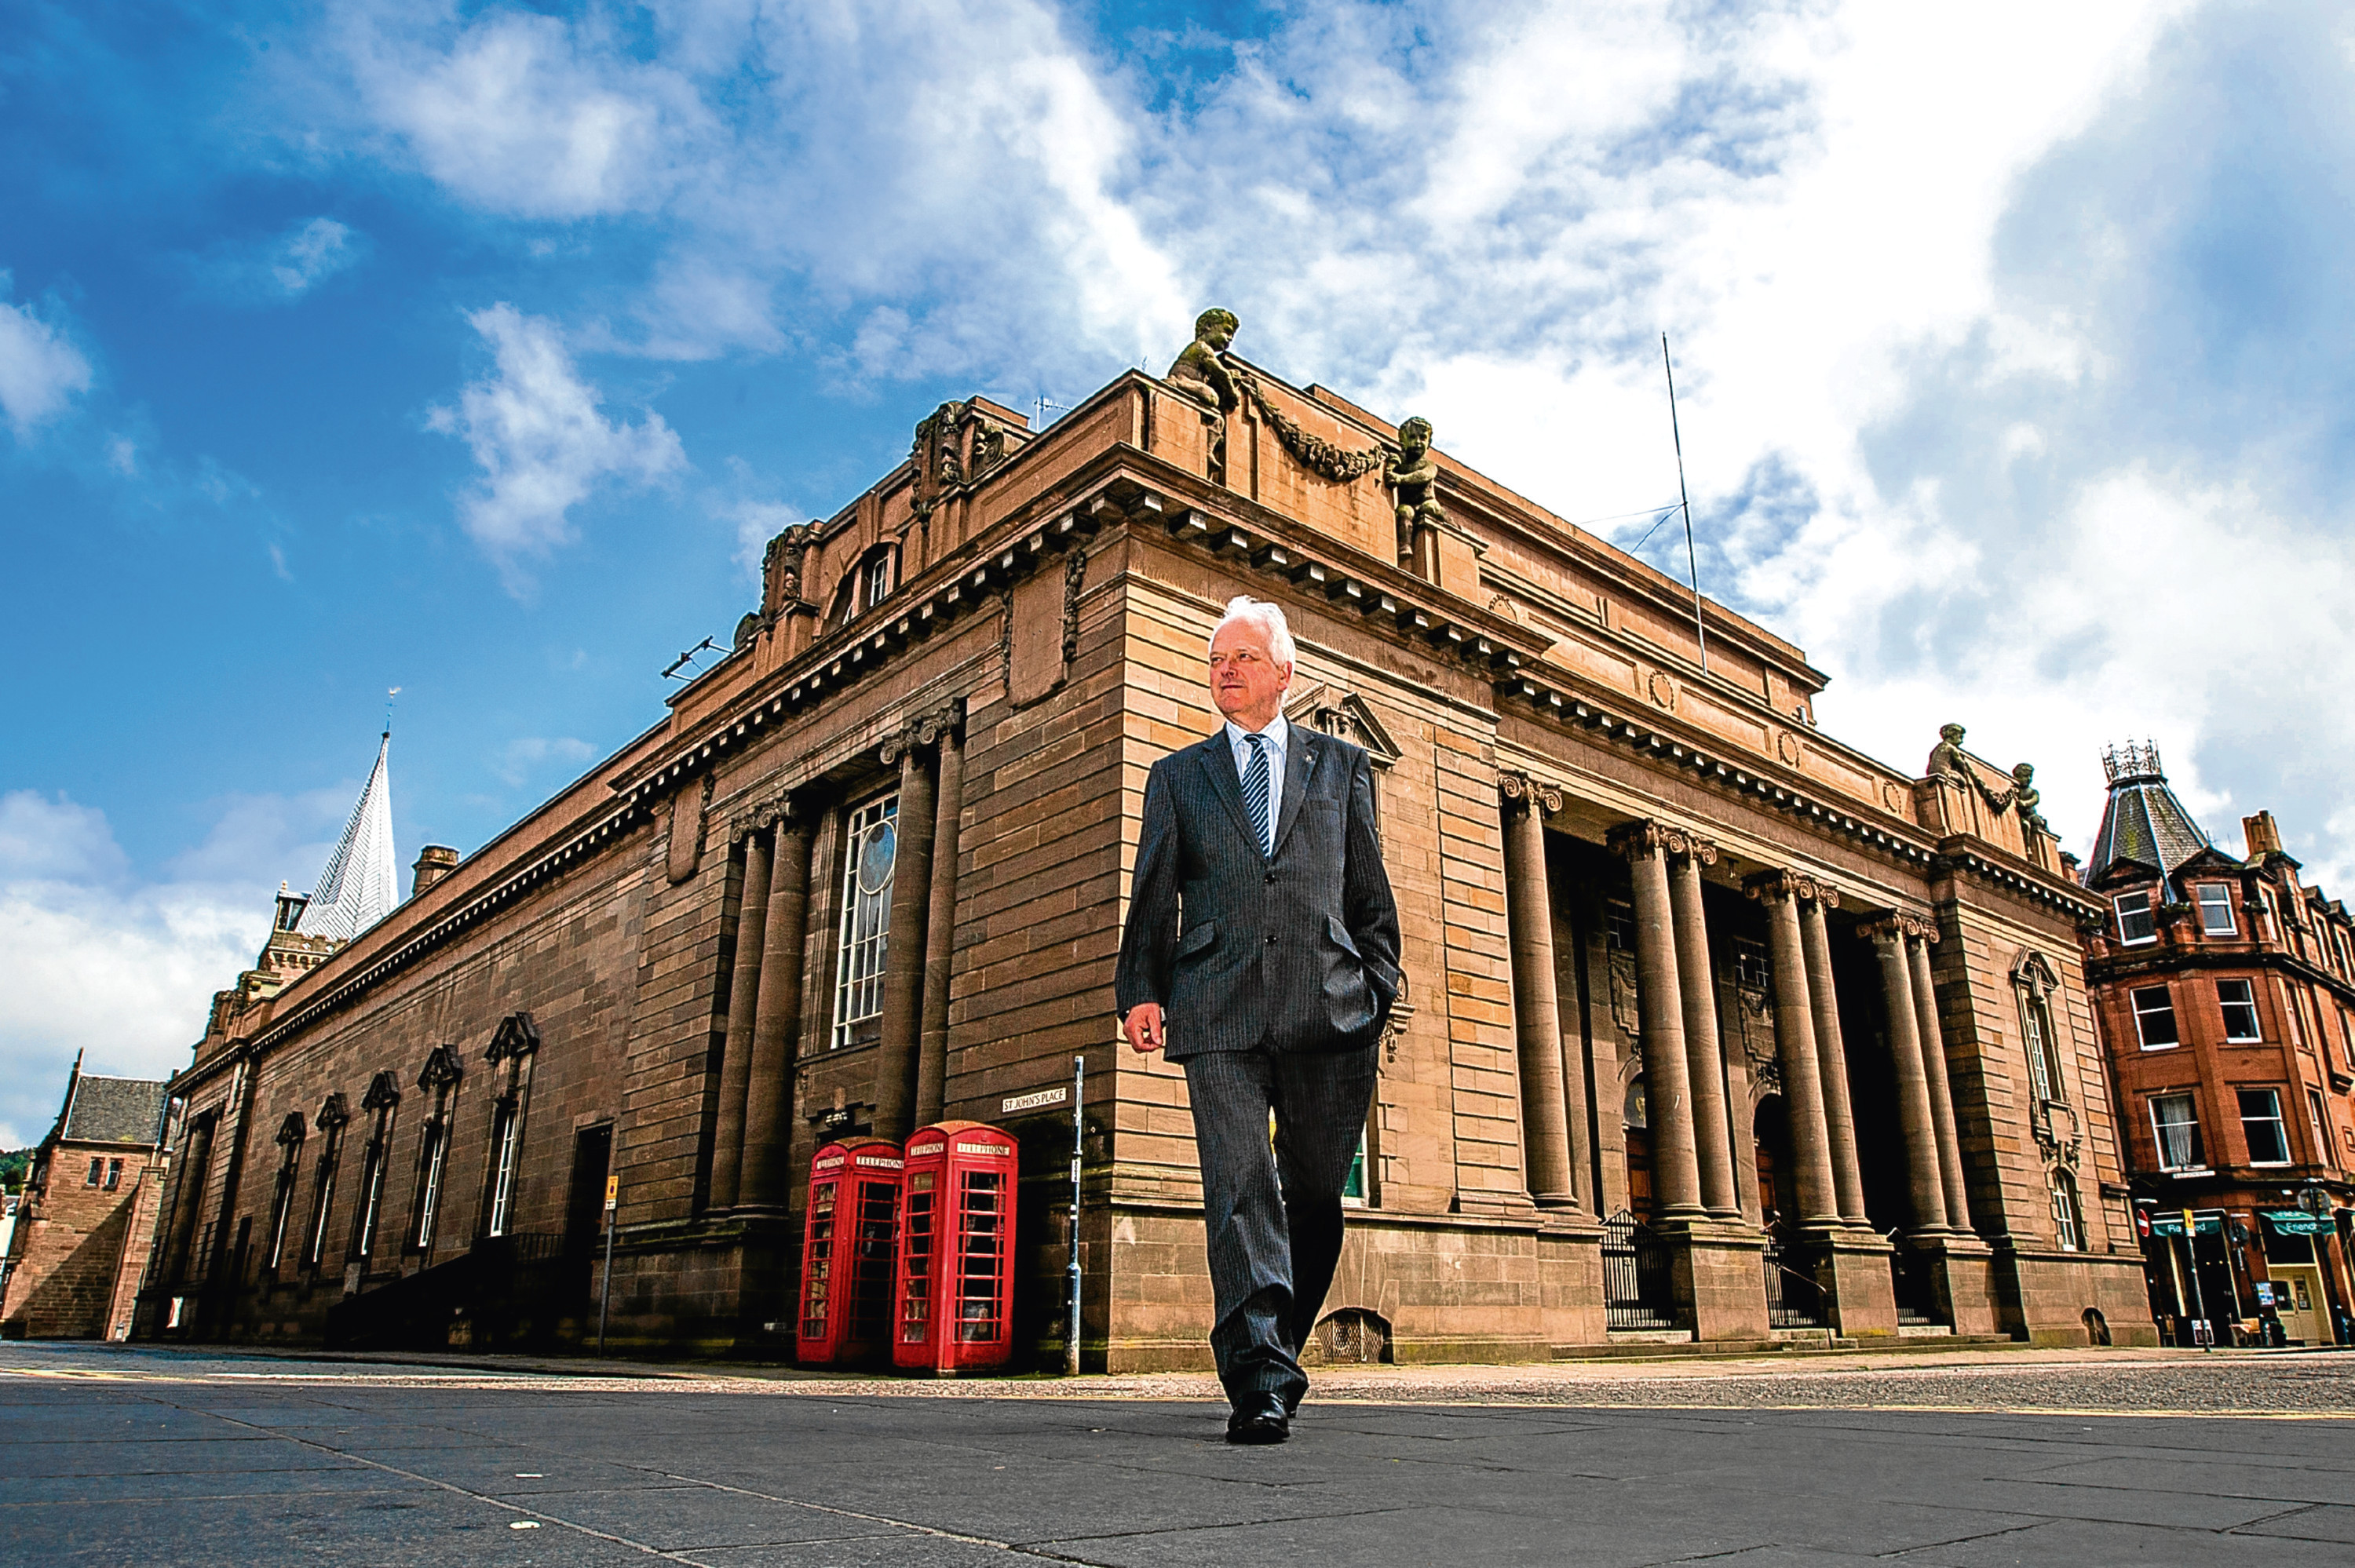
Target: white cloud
[
  {"x": 522, "y": 758},
  {"x": 314, "y": 252},
  {"x": 41, "y": 371},
  {"x": 1966, "y": 304},
  {"x": 97, "y": 959},
  {"x": 535, "y": 429}
]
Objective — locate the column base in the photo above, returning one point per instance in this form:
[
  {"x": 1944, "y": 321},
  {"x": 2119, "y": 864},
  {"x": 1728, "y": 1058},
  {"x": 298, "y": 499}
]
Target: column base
[
  {"x": 1852, "y": 1267},
  {"x": 1961, "y": 1269},
  {"x": 1720, "y": 1280}
]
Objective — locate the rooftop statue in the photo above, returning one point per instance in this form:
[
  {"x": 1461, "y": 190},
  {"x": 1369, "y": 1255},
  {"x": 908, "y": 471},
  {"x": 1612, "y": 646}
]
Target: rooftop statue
[
  {"x": 1947, "y": 757},
  {"x": 1414, "y": 479},
  {"x": 1201, "y": 371}
]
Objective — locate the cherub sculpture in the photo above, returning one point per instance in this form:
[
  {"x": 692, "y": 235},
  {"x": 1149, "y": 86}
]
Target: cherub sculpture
[
  {"x": 1414, "y": 480},
  {"x": 1947, "y": 757},
  {"x": 1201, "y": 371}
]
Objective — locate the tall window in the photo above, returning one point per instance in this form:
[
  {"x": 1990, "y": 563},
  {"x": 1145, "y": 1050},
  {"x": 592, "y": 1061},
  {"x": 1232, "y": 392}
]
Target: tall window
[
  {"x": 870, "y": 848},
  {"x": 1619, "y": 925},
  {"x": 323, "y": 1202},
  {"x": 2177, "y": 1126},
  {"x": 2261, "y": 1124},
  {"x": 113, "y": 1174},
  {"x": 430, "y": 1160},
  {"x": 2043, "y": 1048},
  {"x": 2347, "y": 1034},
  {"x": 372, "y": 1198},
  {"x": 875, "y": 580},
  {"x": 2216, "y": 909},
  {"x": 506, "y": 1130},
  {"x": 1749, "y": 967},
  {"x": 2238, "y": 998},
  {"x": 2135, "y": 924},
  {"x": 2318, "y": 1114},
  {"x": 281, "y": 1200},
  {"x": 2154, "y": 1013},
  {"x": 2068, "y": 1218},
  {"x": 97, "y": 1172}
]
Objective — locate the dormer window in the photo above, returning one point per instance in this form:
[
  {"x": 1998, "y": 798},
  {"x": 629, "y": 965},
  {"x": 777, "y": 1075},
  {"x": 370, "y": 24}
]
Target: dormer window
[
  {"x": 2216, "y": 909},
  {"x": 2135, "y": 922}
]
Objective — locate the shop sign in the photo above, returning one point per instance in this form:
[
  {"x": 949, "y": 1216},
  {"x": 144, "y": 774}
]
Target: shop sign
[
  {"x": 2171, "y": 1223},
  {"x": 2294, "y": 1223}
]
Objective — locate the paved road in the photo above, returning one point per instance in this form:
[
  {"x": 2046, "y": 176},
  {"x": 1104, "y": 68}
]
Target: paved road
[{"x": 111, "y": 1455}]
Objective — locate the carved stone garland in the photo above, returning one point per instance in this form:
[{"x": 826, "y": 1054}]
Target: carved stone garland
[{"x": 1335, "y": 463}]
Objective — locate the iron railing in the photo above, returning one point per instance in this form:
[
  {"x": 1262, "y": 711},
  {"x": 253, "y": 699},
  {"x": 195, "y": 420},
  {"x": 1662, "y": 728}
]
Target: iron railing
[
  {"x": 1794, "y": 1300},
  {"x": 1638, "y": 1280}
]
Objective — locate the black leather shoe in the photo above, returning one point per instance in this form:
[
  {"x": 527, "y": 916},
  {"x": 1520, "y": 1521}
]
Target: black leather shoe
[
  {"x": 1259, "y": 1418},
  {"x": 1292, "y": 1404}
]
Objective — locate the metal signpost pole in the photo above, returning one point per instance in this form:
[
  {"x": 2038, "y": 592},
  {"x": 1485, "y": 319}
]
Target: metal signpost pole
[
  {"x": 2205, "y": 1333},
  {"x": 1072, "y": 1327},
  {"x": 605, "y": 1281}
]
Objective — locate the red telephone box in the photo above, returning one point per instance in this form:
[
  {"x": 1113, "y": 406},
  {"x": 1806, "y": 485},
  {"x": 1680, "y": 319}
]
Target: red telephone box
[
  {"x": 952, "y": 1293},
  {"x": 846, "y": 1252}
]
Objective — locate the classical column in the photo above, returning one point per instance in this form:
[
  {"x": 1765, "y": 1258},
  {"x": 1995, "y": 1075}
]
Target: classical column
[
  {"x": 940, "y": 927},
  {"x": 1832, "y": 1049},
  {"x": 743, "y": 999},
  {"x": 903, "y": 954},
  {"x": 1704, "y": 1048},
  {"x": 1537, "y": 1010},
  {"x": 1675, "y": 1177},
  {"x": 777, "y": 1025},
  {"x": 1795, "y": 1046},
  {"x": 1923, "y": 1183},
  {"x": 1941, "y": 1095}
]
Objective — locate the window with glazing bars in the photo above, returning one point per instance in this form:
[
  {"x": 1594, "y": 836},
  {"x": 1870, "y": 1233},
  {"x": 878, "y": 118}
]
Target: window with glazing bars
[
  {"x": 2175, "y": 1126},
  {"x": 2136, "y": 923},
  {"x": 2043, "y": 1054},
  {"x": 2068, "y": 1218},
  {"x": 506, "y": 1135},
  {"x": 870, "y": 848},
  {"x": 2261, "y": 1125},
  {"x": 818, "y": 1280},
  {"x": 916, "y": 1278},
  {"x": 2154, "y": 1011},
  {"x": 2238, "y": 998},
  {"x": 983, "y": 1216}
]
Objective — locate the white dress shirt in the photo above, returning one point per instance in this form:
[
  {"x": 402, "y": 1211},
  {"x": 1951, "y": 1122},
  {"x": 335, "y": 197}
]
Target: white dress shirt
[{"x": 1274, "y": 736}]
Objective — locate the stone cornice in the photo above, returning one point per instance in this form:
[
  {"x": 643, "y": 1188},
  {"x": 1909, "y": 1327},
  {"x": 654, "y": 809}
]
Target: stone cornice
[{"x": 1969, "y": 857}]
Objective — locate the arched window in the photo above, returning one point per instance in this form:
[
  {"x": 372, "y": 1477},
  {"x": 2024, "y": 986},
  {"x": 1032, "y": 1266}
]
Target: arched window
[
  {"x": 282, "y": 1201},
  {"x": 2068, "y": 1218},
  {"x": 2033, "y": 983}
]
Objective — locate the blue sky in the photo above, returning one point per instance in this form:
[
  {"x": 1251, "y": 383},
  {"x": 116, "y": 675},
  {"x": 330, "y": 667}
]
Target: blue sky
[{"x": 474, "y": 349}]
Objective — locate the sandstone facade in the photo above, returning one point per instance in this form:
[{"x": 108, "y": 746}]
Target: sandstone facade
[{"x": 1708, "y": 1031}]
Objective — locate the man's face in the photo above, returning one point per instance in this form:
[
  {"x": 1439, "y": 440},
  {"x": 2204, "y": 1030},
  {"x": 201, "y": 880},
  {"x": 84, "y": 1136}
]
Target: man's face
[{"x": 1245, "y": 679}]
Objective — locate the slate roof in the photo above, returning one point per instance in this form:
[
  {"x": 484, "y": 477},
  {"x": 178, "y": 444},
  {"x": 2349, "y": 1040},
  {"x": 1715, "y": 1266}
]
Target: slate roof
[
  {"x": 115, "y": 1110},
  {"x": 2143, "y": 822},
  {"x": 362, "y": 882}
]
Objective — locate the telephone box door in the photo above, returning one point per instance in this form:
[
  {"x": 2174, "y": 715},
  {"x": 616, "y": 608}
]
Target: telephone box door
[{"x": 849, "y": 1239}]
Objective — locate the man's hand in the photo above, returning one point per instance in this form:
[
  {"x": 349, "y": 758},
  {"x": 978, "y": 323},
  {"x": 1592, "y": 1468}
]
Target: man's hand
[{"x": 1142, "y": 1027}]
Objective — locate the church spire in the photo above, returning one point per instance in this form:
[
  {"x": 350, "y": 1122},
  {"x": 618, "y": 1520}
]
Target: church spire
[{"x": 361, "y": 883}]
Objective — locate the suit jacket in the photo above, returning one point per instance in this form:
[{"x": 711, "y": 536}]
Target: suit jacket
[{"x": 1299, "y": 948}]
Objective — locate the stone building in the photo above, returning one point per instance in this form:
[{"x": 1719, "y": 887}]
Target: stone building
[
  {"x": 2224, "y": 991},
  {"x": 1713, "y": 1028},
  {"x": 87, "y": 1223}
]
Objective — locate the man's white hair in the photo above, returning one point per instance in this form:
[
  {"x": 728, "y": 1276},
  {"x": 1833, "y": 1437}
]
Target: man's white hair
[{"x": 1244, "y": 610}]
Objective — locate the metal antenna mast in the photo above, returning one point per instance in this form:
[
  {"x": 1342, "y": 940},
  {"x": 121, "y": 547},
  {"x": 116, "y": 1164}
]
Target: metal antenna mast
[{"x": 1692, "y": 560}]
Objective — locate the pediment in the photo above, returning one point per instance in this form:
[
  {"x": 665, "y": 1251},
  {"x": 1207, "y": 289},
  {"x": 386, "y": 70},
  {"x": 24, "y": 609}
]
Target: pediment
[{"x": 1344, "y": 715}]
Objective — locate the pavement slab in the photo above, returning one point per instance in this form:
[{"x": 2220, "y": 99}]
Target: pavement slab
[{"x": 114, "y": 1454}]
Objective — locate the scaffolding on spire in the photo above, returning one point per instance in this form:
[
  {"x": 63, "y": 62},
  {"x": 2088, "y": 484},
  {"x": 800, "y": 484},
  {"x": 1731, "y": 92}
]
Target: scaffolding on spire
[{"x": 361, "y": 884}]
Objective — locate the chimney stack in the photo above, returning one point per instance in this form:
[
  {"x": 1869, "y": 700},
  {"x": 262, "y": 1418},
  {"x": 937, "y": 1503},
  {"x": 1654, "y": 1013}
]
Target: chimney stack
[
  {"x": 2264, "y": 838},
  {"x": 434, "y": 862}
]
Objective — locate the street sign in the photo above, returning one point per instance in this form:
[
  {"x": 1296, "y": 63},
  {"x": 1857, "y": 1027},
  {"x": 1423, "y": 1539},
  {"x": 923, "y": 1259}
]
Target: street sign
[
  {"x": 2142, "y": 1224},
  {"x": 612, "y": 1193},
  {"x": 1033, "y": 1100}
]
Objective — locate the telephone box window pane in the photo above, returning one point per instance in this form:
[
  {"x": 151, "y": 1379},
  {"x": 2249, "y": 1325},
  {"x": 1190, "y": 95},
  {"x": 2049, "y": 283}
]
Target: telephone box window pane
[
  {"x": 983, "y": 1215},
  {"x": 916, "y": 1284},
  {"x": 871, "y": 850},
  {"x": 818, "y": 1281},
  {"x": 2154, "y": 1011},
  {"x": 2238, "y": 998},
  {"x": 2261, "y": 1123},
  {"x": 2177, "y": 1127},
  {"x": 2216, "y": 909},
  {"x": 2136, "y": 923}
]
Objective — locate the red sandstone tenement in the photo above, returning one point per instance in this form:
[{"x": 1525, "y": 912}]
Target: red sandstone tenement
[
  {"x": 1708, "y": 1031},
  {"x": 87, "y": 1224}
]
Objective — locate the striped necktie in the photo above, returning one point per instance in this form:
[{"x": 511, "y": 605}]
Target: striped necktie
[{"x": 1255, "y": 791}]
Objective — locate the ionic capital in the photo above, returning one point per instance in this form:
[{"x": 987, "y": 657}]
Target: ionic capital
[
  {"x": 929, "y": 727},
  {"x": 1530, "y": 794},
  {"x": 1769, "y": 886},
  {"x": 1684, "y": 842},
  {"x": 1639, "y": 839},
  {"x": 1895, "y": 926}
]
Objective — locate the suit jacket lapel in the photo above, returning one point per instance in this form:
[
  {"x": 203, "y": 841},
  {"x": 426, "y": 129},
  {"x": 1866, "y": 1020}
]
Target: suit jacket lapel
[
  {"x": 1299, "y": 763},
  {"x": 1217, "y": 761}
]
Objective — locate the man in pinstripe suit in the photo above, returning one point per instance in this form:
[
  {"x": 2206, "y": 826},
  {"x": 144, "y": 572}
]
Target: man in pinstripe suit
[{"x": 1261, "y": 949}]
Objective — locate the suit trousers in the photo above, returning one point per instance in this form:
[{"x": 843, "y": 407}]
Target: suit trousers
[{"x": 1273, "y": 1215}]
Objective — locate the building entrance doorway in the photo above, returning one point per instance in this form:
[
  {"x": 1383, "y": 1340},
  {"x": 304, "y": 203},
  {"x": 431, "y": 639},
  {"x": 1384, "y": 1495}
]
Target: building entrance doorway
[{"x": 1770, "y": 1133}]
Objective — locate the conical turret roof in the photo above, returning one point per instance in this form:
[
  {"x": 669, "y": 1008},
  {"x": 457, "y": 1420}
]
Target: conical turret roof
[
  {"x": 361, "y": 884},
  {"x": 2143, "y": 822}
]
